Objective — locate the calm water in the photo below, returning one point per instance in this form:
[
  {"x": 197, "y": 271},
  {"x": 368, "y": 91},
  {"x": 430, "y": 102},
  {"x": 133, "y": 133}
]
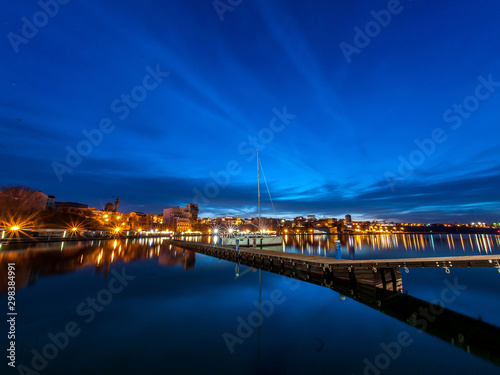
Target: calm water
[
  {"x": 129, "y": 307},
  {"x": 387, "y": 245}
]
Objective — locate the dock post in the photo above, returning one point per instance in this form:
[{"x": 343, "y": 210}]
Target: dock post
[
  {"x": 237, "y": 244},
  {"x": 338, "y": 249}
]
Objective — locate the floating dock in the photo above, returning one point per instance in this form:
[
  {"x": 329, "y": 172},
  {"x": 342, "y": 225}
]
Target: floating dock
[{"x": 378, "y": 272}]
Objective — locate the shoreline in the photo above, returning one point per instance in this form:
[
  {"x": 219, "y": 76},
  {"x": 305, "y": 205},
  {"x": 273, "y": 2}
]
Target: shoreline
[{"x": 434, "y": 231}]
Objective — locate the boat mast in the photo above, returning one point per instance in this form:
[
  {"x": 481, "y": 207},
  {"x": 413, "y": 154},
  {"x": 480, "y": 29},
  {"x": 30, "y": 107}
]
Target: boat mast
[{"x": 258, "y": 185}]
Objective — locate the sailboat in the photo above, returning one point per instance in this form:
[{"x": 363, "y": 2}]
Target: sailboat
[{"x": 258, "y": 239}]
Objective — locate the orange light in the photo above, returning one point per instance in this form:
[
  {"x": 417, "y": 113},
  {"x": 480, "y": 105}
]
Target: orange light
[{"x": 15, "y": 227}]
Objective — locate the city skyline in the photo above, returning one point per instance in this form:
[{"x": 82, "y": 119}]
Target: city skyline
[{"x": 386, "y": 111}]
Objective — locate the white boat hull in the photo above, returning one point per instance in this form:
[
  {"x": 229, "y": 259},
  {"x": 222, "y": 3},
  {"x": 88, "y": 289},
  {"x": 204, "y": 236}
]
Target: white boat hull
[{"x": 254, "y": 241}]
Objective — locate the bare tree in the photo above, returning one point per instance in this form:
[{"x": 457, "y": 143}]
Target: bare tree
[{"x": 20, "y": 203}]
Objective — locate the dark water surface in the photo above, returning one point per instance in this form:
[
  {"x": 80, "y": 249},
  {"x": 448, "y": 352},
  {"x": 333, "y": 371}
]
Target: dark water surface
[{"x": 137, "y": 307}]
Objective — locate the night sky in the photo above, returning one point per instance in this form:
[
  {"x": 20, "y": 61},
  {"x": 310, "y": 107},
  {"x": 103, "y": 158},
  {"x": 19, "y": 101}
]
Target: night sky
[{"x": 387, "y": 110}]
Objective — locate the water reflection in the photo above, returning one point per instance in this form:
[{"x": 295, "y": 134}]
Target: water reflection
[
  {"x": 44, "y": 259},
  {"x": 384, "y": 245},
  {"x": 383, "y": 295},
  {"x": 47, "y": 259},
  {"x": 172, "y": 257},
  {"x": 382, "y": 290}
]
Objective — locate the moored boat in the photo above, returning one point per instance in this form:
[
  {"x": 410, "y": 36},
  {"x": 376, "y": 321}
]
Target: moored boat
[{"x": 258, "y": 239}]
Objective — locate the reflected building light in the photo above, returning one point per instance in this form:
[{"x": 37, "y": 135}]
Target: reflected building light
[
  {"x": 491, "y": 242},
  {"x": 359, "y": 243},
  {"x": 462, "y": 241},
  {"x": 485, "y": 239},
  {"x": 414, "y": 242},
  {"x": 477, "y": 243},
  {"x": 451, "y": 244}
]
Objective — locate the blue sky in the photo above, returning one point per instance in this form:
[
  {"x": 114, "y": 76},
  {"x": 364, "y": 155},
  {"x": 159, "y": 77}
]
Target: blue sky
[{"x": 387, "y": 110}]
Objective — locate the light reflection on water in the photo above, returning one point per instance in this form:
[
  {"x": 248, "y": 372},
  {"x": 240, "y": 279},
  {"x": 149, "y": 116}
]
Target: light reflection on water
[
  {"x": 396, "y": 243},
  {"x": 387, "y": 245}
]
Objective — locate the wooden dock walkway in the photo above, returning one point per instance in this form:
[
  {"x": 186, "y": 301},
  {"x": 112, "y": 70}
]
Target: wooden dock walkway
[{"x": 378, "y": 272}]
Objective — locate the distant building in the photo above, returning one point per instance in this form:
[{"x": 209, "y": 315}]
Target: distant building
[
  {"x": 193, "y": 209},
  {"x": 311, "y": 217},
  {"x": 51, "y": 202},
  {"x": 298, "y": 221},
  {"x": 117, "y": 203},
  {"x": 182, "y": 224},
  {"x": 172, "y": 217},
  {"x": 348, "y": 219},
  {"x": 109, "y": 207},
  {"x": 70, "y": 206},
  {"x": 142, "y": 221},
  {"x": 171, "y": 213}
]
